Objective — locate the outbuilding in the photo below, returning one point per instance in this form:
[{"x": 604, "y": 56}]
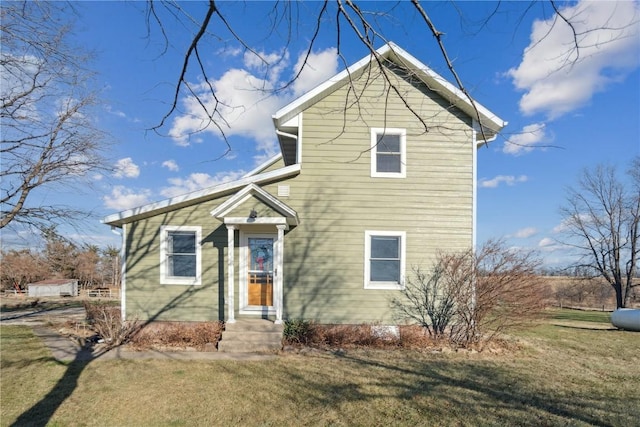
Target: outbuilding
[{"x": 54, "y": 288}]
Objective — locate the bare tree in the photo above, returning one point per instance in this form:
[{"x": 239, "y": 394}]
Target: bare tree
[
  {"x": 111, "y": 266},
  {"x": 21, "y": 267},
  {"x": 365, "y": 22},
  {"x": 48, "y": 137},
  {"x": 601, "y": 220}
]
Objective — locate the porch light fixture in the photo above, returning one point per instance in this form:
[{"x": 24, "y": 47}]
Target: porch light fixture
[{"x": 253, "y": 214}]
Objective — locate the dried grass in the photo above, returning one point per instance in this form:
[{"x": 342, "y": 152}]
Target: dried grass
[{"x": 196, "y": 335}]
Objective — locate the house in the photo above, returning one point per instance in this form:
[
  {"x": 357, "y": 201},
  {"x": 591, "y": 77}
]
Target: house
[
  {"x": 367, "y": 185},
  {"x": 53, "y": 288}
]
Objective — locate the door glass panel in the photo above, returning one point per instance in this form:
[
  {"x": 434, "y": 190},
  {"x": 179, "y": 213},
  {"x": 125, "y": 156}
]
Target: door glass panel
[
  {"x": 261, "y": 254},
  {"x": 260, "y": 274}
]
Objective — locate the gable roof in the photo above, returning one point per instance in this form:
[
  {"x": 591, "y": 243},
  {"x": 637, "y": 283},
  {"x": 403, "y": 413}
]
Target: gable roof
[
  {"x": 286, "y": 117},
  {"x": 252, "y": 190},
  {"x": 117, "y": 219}
]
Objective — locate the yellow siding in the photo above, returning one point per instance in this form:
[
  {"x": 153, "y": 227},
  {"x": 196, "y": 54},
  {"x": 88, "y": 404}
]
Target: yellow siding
[
  {"x": 337, "y": 199},
  {"x": 146, "y": 298}
]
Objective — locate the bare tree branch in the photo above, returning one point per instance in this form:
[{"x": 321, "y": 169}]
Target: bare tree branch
[{"x": 48, "y": 136}]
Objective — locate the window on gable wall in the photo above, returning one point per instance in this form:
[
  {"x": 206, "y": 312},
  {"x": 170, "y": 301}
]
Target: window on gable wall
[
  {"x": 180, "y": 255},
  {"x": 384, "y": 262},
  {"x": 388, "y": 153}
]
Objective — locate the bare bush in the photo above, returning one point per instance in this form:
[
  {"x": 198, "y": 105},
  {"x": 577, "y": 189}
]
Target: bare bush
[
  {"x": 473, "y": 296},
  {"x": 178, "y": 334},
  {"x": 500, "y": 290},
  {"x": 106, "y": 321},
  {"x": 428, "y": 299}
]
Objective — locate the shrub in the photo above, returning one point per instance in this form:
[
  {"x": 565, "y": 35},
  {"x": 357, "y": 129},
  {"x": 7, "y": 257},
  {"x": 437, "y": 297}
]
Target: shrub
[
  {"x": 106, "y": 321},
  {"x": 178, "y": 334},
  {"x": 361, "y": 335},
  {"x": 472, "y": 296},
  {"x": 297, "y": 331}
]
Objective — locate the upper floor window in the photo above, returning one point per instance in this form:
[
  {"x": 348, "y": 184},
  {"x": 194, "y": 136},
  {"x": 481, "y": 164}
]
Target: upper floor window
[
  {"x": 388, "y": 153},
  {"x": 180, "y": 255}
]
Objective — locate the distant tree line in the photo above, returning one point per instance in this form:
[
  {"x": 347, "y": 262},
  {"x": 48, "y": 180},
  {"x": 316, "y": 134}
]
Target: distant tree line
[{"x": 60, "y": 258}]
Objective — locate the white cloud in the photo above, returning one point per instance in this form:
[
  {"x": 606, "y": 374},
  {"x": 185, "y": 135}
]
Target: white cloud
[
  {"x": 548, "y": 245},
  {"x": 267, "y": 65},
  {"x": 246, "y": 99},
  {"x": 126, "y": 168},
  {"x": 171, "y": 165},
  {"x": 116, "y": 113},
  {"x": 556, "y": 77},
  {"x": 545, "y": 242},
  {"x": 198, "y": 181},
  {"x": 501, "y": 179},
  {"x": 319, "y": 67},
  {"x": 567, "y": 223},
  {"x": 525, "y": 233},
  {"x": 122, "y": 198},
  {"x": 526, "y": 140}
]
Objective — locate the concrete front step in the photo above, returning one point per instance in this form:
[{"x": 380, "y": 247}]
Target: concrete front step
[
  {"x": 251, "y": 336},
  {"x": 255, "y": 325}
]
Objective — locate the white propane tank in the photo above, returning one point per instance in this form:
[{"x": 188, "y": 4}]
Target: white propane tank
[{"x": 627, "y": 319}]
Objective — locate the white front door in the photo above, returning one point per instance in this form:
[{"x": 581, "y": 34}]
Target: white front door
[{"x": 257, "y": 269}]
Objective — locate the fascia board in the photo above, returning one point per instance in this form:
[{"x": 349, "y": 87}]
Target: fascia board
[
  {"x": 430, "y": 77},
  {"x": 295, "y": 107},
  {"x": 234, "y": 201},
  {"x": 263, "y": 165},
  {"x": 243, "y": 195},
  {"x": 119, "y": 218},
  {"x": 440, "y": 85}
]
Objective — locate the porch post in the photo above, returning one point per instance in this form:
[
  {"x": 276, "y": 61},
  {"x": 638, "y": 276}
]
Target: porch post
[
  {"x": 230, "y": 273},
  {"x": 279, "y": 273}
]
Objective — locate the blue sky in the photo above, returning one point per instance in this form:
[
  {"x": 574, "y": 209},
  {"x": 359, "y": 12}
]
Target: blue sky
[{"x": 562, "y": 118}]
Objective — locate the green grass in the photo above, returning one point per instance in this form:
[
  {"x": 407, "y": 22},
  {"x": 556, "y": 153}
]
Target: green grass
[
  {"x": 558, "y": 376},
  {"x": 580, "y": 315}
]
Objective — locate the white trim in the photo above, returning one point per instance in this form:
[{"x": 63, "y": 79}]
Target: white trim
[
  {"x": 256, "y": 221},
  {"x": 165, "y": 279},
  {"x": 243, "y": 195},
  {"x": 243, "y": 262},
  {"x": 367, "y": 257},
  {"x": 231, "y": 307},
  {"x": 263, "y": 166},
  {"x": 394, "y": 53},
  {"x": 299, "y": 140},
  {"x": 402, "y": 133},
  {"x": 474, "y": 196},
  {"x": 119, "y": 218},
  {"x": 278, "y": 286},
  {"x": 123, "y": 274}
]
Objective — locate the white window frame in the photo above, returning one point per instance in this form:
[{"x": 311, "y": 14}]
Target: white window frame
[
  {"x": 375, "y": 132},
  {"x": 165, "y": 279},
  {"x": 368, "y": 284}
]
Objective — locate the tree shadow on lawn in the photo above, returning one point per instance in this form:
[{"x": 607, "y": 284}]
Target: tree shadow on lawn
[
  {"x": 40, "y": 413},
  {"x": 440, "y": 390}
]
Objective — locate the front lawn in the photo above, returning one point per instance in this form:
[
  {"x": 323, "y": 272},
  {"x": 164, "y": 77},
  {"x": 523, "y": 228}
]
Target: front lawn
[{"x": 559, "y": 375}]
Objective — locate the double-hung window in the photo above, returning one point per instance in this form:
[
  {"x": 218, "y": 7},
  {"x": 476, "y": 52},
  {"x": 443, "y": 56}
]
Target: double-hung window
[
  {"x": 388, "y": 153},
  {"x": 384, "y": 262},
  {"x": 180, "y": 255}
]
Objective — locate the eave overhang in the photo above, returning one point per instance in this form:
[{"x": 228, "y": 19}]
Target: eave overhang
[
  {"x": 490, "y": 123},
  {"x": 130, "y": 215}
]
